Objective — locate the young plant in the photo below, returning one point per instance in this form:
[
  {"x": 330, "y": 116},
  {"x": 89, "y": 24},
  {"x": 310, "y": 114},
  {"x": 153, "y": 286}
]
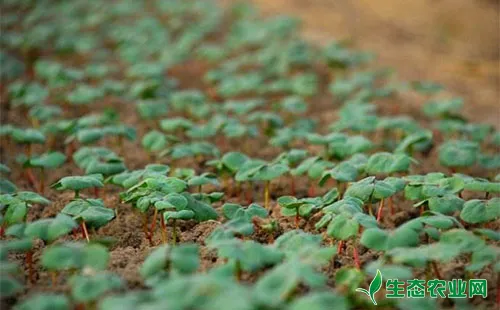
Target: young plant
[
  {"x": 78, "y": 183},
  {"x": 73, "y": 256},
  {"x": 233, "y": 211},
  {"x": 167, "y": 261},
  {"x": 203, "y": 179},
  {"x": 89, "y": 213},
  {"x": 46, "y": 161},
  {"x": 229, "y": 164},
  {"x": 291, "y": 159},
  {"x": 458, "y": 154},
  {"x": 314, "y": 167},
  {"x": 268, "y": 172}
]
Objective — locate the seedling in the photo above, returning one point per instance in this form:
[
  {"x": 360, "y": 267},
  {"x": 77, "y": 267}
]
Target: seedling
[
  {"x": 230, "y": 164},
  {"x": 44, "y": 162},
  {"x": 458, "y": 154},
  {"x": 267, "y": 172},
  {"x": 291, "y": 158},
  {"x": 233, "y": 211},
  {"x": 315, "y": 167},
  {"x": 167, "y": 261},
  {"x": 89, "y": 213},
  {"x": 325, "y": 141},
  {"x": 78, "y": 183},
  {"x": 203, "y": 179},
  {"x": 74, "y": 257},
  {"x": 249, "y": 256}
]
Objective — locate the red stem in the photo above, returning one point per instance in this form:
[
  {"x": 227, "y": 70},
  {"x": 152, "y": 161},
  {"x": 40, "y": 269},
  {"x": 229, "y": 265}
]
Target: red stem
[
  {"x": 29, "y": 263},
  {"x": 312, "y": 190},
  {"x": 340, "y": 247},
  {"x": 357, "y": 263},
  {"x": 31, "y": 177},
  {"x": 379, "y": 212}
]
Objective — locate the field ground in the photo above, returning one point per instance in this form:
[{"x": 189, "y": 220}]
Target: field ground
[{"x": 454, "y": 42}]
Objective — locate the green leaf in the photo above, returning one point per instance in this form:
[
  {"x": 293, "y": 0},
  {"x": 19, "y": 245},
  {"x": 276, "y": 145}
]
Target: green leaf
[
  {"x": 45, "y": 301},
  {"x": 456, "y": 153},
  {"x": 182, "y": 259},
  {"x": 77, "y": 183},
  {"x": 478, "y": 211},
  {"x": 9, "y": 286},
  {"x": 88, "y": 288},
  {"x": 343, "y": 227},
  {"x": 50, "y": 160},
  {"x": 349, "y": 278},
  {"x": 178, "y": 215},
  {"x": 50, "y": 229},
  {"x": 320, "y": 301},
  {"x": 154, "y": 141},
  {"x": 69, "y": 256}
]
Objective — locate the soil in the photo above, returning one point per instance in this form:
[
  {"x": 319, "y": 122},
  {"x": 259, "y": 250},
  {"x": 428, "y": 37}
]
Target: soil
[{"x": 468, "y": 73}]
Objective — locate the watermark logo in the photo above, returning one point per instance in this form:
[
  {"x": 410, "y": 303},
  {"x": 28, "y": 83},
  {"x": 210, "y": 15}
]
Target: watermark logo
[
  {"x": 375, "y": 286},
  {"x": 416, "y": 288}
]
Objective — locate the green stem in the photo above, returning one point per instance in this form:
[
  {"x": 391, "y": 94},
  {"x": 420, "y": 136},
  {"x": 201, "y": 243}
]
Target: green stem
[
  {"x": 238, "y": 270},
  {"x": 266, "y": 195}
]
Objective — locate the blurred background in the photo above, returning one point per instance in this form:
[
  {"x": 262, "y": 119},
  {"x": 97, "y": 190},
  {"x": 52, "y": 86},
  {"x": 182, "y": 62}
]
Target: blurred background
[{"x": 454, "y": 42}]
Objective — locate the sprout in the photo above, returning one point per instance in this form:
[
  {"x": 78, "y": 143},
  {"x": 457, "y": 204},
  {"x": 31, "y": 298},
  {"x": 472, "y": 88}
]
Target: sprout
[
  {"x": 89, "y": 213},
  {"x": 28, "y": 137},
  {"x": 43, "y": 162},
  {"x": 426, "y": 87},
  {"x": 387, "y": 163},
  {"x": 203, "y": 179},
  {"x": 315, "y": 167},
  {"x": 78, "y": 183},
  {"x": 166, "y": 260},
  {"x": 45, "y": 301},
  {"x": 458, "y": 153},
  {"x": 480, "y": 211},
  {"x": 448, "y": 108},
  {"x": 233, "y": 211}
]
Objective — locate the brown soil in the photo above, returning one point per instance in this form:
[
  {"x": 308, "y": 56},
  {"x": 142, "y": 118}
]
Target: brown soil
[{"x": 468, "y": 72}]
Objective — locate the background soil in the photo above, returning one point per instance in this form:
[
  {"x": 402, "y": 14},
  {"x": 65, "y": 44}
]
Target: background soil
[{"x": 453, "y": 42}]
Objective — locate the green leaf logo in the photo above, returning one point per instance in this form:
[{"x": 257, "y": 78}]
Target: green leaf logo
[{"x": 375, "y": 286}]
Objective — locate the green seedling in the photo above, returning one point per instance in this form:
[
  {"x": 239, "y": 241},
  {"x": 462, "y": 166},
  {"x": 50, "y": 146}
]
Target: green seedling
[
  {"x": 268, "y": 172},
  {"x": 229, "y": 164},
  {"x": 167, "y": 261},
  {"x": 325, "y": 141},
  {"x": 46, "y": 161},
  {"x": 233, "y": 211},
  {"x": 314, "y": 167},
  {"x": 6, "y": 186},
  {"x": 45, "y": 301},
  {"x": 292, "y": 159},
  {"x": 74, "y": 257},
  {"x": 203, "y": 179},
  {"x": 78, "y": 183},
  {"x": 457, "y": 154},
  {"x": 447, "y": 108},
  {"x": 89, "y": 213},
  {"x": 15, "y": 207},
  {"x": 248, "y": 256}
]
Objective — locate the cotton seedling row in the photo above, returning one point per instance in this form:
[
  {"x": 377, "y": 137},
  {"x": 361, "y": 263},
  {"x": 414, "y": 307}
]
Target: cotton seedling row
[{"x": 183, "y": 155}]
